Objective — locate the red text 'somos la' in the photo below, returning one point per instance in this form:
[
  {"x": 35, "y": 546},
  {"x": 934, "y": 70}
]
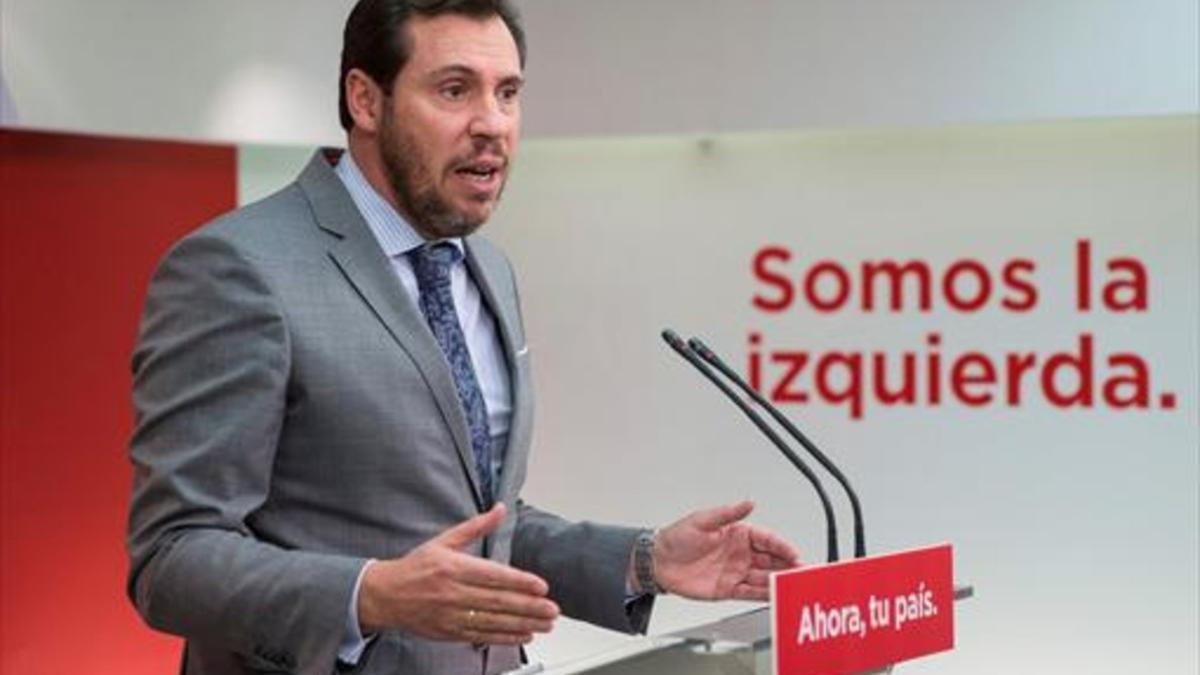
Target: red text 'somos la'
[{"x": 966, "y": 285}]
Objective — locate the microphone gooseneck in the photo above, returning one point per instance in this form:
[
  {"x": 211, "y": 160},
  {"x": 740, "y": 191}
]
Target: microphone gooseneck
[
  {"x": 689, "y": 355},
  {"x": 860, "y": 546}
]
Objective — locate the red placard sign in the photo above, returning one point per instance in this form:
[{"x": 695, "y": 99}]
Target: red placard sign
[{"x": 855, "y": 616}]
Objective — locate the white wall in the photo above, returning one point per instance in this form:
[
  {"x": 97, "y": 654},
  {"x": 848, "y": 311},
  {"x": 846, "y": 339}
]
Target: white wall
[
  {"x": 1079, "y": 527},
  {"x": 630, "y": 66},
  {"x": 265, "y": 71}
]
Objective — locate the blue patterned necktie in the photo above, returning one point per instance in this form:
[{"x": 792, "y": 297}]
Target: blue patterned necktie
[{"x": 432, "y": 264}]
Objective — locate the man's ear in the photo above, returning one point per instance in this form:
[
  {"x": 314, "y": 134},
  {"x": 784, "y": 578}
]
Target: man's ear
[{"x": 364, "y": 99}]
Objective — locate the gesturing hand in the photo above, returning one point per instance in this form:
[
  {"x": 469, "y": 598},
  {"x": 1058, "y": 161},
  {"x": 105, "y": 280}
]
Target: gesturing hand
[
  {"x": 439, "y": 592},
  {"x": 712, "y": 555}
]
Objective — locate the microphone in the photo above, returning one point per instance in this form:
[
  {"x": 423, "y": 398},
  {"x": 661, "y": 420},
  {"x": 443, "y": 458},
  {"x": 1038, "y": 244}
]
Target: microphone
[
  {"x": 860, "y": 546},
  {"x": 690, "y": 356}
]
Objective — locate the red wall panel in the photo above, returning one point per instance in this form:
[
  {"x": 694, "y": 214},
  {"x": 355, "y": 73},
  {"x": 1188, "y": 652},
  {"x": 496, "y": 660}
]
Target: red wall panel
[{"x": 82, "y": 223}]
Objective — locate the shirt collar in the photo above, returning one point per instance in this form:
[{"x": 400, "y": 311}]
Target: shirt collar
[{"x": 393, "y": 232}]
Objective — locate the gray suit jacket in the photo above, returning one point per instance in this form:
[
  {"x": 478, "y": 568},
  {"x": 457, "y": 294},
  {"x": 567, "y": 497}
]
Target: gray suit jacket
[{"x": 295, "y": 417}]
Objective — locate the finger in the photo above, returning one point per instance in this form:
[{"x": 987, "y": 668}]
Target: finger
[
  {"x": 502, "y": 639},
  {"x": 462, "y": 534},
  {"x": 758, "y": 578},
  {"x": 766, "y": 561},
  {"x": 482, "y": 573},
  {"x": 508, "y": 624},
  {"x": 747, "y": 592},
  {"x": 482, "y": 627},
  {"x": 716, "y": 518},
  {"x": 763, "y": 541},
  {"x": 509, "y": 604}
]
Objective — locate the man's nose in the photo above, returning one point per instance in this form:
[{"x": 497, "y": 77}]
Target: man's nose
[{"x": 492, "y": 118}]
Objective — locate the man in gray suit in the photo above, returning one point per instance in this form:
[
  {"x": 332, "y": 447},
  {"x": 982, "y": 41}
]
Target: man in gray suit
[{"x": 334, "y": 410}]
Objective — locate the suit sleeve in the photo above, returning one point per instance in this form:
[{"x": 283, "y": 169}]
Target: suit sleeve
[
  {"x": 585, "y": 564},
  {"x": 211, "y": 371}
]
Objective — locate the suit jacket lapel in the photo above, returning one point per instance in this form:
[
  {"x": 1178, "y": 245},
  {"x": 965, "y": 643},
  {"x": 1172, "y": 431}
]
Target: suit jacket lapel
[
  {"x": 357, "y": 253},
  {"x": 490, "y": 273}
]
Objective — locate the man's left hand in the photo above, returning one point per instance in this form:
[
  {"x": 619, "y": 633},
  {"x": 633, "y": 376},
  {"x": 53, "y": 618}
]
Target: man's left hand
[{"x": 713, "y": 555}]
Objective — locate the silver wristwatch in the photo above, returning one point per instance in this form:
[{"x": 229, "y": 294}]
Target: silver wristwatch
[{"x": 643, "y": 563}]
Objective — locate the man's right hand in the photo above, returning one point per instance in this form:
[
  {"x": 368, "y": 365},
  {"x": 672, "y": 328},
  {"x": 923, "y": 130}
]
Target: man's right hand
[{"x": 439, "y": 592}]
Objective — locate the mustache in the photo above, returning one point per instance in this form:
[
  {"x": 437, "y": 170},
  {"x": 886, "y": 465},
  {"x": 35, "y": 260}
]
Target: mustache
[{"x": 486, "y": 151}]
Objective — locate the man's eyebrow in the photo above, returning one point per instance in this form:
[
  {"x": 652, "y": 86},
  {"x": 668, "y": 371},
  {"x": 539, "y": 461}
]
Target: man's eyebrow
[
  {"x": 466, "y": 71},
  {"x": 514, "y": 79}
]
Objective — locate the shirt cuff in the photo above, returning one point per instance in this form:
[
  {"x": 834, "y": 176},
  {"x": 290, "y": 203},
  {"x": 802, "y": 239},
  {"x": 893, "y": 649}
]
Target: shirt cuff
[
  {"x": 632, "y": 596},
  {"x": 353, "y": 642}
]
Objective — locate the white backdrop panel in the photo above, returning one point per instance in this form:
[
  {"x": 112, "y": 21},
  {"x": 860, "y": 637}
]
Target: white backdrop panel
[{"x": 1078, "y": 526}]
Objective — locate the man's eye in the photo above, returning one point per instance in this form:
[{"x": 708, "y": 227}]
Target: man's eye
[
  {"x": 454, "y": 92},
  {"x": 509, "y": 94}
]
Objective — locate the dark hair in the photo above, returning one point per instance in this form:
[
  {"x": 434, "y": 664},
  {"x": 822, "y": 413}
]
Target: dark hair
[{"x": 375, "y": 42}]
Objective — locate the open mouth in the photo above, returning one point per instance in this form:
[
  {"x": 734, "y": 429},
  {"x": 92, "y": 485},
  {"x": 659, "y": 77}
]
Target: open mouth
[
  {"x": 482, "y": 171},
  {"x": 478, "y": 174}
]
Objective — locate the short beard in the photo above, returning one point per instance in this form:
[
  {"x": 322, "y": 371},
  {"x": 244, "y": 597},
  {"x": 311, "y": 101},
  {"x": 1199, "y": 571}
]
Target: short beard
[{"x": 409, "y": 174}]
